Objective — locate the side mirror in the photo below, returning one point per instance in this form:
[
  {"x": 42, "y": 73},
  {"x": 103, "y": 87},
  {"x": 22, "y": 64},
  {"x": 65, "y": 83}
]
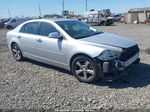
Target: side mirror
[{"x": 55, "y": 35}]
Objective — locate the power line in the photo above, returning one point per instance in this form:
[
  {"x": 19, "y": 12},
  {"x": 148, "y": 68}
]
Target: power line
[
  {"x": 63, "y": 5},
  {"x": 86, "y": 5},
  {"x": 40, "y": 15},
  {"x": 9, "y": 13}
]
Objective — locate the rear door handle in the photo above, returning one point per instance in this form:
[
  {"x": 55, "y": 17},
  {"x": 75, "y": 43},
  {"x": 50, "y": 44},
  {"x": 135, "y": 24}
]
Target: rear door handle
[{"x": 39, "y": 40}]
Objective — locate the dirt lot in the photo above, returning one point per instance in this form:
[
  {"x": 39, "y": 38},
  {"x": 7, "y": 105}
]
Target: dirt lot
[{"x": 29, "y": 84}]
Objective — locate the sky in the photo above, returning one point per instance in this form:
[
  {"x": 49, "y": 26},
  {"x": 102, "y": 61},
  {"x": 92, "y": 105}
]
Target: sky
[{"x": 30, "y": 8}]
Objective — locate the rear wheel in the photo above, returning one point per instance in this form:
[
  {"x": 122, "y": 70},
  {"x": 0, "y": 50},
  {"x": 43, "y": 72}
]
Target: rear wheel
[
  {"x": 16, "y": 52},
  {"x": 85, "y": 69}
]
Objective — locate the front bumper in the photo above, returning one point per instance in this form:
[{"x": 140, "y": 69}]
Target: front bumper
[{"x": 116, "y": 65}]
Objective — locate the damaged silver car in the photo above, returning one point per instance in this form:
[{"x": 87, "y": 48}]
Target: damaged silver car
[{"x": 73, "y": 45}]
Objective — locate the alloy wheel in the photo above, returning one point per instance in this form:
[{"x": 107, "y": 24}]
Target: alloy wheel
[
  {"x": 84, "y": 69},
  {"x": 16, "y": 52}
]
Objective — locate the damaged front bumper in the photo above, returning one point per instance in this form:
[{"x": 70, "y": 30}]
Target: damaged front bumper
[{"x": 116, "y": 65}]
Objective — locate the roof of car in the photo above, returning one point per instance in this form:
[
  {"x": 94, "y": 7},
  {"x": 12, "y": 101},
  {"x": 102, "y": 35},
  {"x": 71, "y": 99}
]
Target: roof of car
[
  {"x": 60, "y": 19},
  {"x": 50, "y": 19}
]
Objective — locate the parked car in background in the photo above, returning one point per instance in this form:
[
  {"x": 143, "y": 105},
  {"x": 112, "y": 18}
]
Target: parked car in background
[
  {"x": 15, "y": 22},
  {"x": 117, "y": 17},
  {"x": 73, "y": 45},
  {"x": 3, "y": 21},
  {"x": 98, "y": 17},
  {"x": 99, "y": 20}
]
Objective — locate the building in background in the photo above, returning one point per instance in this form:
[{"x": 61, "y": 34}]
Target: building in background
[{"x": 139, "y": 15}]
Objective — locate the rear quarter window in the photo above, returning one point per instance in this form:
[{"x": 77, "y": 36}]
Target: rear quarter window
[{"x": 30, "y": 28}]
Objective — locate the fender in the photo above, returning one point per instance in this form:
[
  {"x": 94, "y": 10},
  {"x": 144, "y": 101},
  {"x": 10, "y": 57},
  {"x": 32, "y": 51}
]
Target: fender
[
  {"x": 91, "y": 51},
  {"x": 12, "y": 38}
]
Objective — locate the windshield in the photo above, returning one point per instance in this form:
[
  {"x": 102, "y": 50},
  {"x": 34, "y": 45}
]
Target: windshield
[{"x": 77, "y": 29}]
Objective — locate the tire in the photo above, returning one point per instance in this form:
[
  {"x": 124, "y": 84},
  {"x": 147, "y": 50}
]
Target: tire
[
  {"x": 104, "y": 23},
  {"x": 85, "y": 69},
  {"x": 17, "y": 52}
]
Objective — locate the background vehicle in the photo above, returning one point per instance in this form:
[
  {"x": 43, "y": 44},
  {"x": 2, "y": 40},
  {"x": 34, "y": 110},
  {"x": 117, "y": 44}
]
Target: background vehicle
[
  {"x": 73, "y": 45},
  {"x": 117, "y": 17},
  {"x": 69, "y": 14},
  {"x": 99, "y": 17},
  {"x": 105, "y": 12},
  {"x": 3, "y": 21},
  {"x": 15, "y": 22}
]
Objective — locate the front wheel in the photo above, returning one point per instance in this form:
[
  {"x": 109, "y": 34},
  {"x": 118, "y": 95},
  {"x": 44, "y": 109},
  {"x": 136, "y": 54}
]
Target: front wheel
[
  {"x": 16, "y": 52},
  {"x": 85, "y": 69}
]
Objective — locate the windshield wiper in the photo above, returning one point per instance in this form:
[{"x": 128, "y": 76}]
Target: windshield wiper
[
  {"x": 89, "y": 35},
  {"x": 92, "y": 34}
]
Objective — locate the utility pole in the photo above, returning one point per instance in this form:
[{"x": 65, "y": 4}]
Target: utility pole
[
  {"x": 86, "y": 5},
  {"x": 9, "y": 13},
  {"x": 40, "y": 15},
  {"x": 63, "y": 6}
]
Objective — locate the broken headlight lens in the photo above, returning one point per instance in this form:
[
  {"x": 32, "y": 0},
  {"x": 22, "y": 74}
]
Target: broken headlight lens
[{"x": 109, "y": 55}]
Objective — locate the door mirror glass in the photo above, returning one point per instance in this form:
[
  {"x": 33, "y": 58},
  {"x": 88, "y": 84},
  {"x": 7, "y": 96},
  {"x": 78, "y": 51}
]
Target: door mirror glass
[{"x": 55, "y": 35}]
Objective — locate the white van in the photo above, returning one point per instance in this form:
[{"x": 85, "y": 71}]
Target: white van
[{"x": 15, "y": 22}]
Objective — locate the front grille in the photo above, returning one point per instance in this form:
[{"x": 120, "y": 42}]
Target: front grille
[{"x": 129, "y": 52}]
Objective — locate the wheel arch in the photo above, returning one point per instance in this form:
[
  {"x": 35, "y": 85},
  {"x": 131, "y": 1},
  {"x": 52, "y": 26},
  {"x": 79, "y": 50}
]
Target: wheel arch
[
  {"x": 88, "y": 51},
  {"x": 12, "y": 42},
  {"x": 76, "y": 55}
]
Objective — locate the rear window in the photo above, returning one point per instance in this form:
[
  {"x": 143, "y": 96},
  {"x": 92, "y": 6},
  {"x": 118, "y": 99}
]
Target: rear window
[{"x": 30, "y": 28}]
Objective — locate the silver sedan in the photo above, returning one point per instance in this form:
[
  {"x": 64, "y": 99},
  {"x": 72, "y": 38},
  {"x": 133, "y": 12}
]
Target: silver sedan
[{"x": 73, "y": 45}]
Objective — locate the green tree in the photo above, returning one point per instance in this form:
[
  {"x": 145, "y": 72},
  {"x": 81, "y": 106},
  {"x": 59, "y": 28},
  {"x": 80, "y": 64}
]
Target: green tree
[{"x": 51, "y": 16}]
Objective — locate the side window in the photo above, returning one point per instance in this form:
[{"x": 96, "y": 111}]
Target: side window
[
  {"x": 46, "y": 29},
  {"x": 30, "y": 28},
  {"x": 13, "y": 20},
  {"x": 22, "y": 29}
]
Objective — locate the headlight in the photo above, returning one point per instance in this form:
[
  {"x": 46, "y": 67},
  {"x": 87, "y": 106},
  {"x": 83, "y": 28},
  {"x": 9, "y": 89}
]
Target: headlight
[{"x": 109, "y": 55}]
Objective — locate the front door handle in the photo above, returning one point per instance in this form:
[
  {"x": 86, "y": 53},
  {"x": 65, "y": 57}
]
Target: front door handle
[
  {"x": 39, "y": 40},
  {"x": 19, "y": 37}
]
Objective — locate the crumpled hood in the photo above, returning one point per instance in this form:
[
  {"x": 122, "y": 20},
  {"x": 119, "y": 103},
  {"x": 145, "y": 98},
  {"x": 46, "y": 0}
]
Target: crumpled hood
[{"x": 110, "y": 39}]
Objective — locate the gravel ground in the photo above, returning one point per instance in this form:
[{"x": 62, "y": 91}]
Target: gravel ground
[{"x": 30, "y": 84}]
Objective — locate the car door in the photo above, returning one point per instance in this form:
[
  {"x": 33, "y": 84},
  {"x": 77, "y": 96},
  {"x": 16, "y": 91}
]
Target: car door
[
  {"x": 51, "y": 49},
  {"x": 28, "y": 38}
]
